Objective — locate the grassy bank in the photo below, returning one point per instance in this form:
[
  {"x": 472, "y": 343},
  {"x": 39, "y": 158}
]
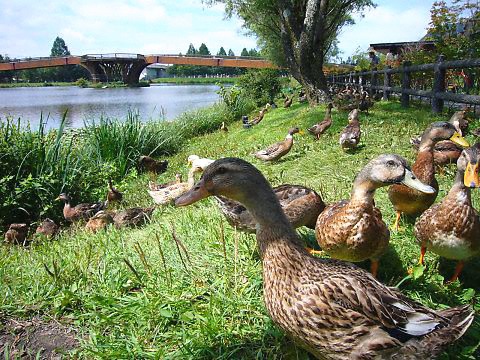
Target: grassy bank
[
  {"x": 138, "y": 294},
  {"x": 41, "y": 84},
  {"x": 200, "y": 80}
]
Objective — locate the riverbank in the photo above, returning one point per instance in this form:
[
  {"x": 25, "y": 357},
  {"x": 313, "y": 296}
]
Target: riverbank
[
  {"x": 137, "y": 293},
  {"x": 198, "y": 80},
  {"x": 41, "y": 84}
]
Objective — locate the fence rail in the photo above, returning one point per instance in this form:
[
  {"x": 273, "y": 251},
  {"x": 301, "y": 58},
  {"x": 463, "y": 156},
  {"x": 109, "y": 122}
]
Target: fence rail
[{"x": 438, "y": 93}]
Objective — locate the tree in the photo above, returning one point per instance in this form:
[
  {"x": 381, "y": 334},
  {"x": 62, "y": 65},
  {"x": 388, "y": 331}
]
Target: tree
[
  {"x": 191, "y": 50},
  {"x": 230, "y": 52},
  {"x": 203, "y": 50},
  {"x": 244, "y": 52},
  {"x": 59, "y": 48},
  {"x": 222, "y": 52},
  {"x": 297, "y": 34}
]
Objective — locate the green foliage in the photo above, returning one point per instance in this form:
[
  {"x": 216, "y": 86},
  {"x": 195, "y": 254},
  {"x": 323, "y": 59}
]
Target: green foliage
[
  {"x": 82, "y": 82},
  {"x": 221, "y": 52},
  {"x": 59, "y": 48},
  {"x": 260, "y": 86},
  {"x": 203, "y": 50}
]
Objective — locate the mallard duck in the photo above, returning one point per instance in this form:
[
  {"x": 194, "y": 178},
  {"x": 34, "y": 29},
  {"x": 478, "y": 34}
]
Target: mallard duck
[
  {"x": 451, "y": 228},
  {"x": 476, "y": 132},
  {"x": 279, "y": 149},
  {"x": 365, "y": 102},
  {"x": 80, "y": 211},
  {"x": 16, "y": 234},
  {"x": 169, "y": 193},
  {"x": 318, "y": 129},
  {"x": 353, "y": 230},
  {"x": 132, "y": 217},
  {"x": 410, "y": 201},
  {"x": 113, "y": 195},
  {"x": 224, "y": 127},
  {"x": 99, "y": 221},
  {"x": 151, "y": 165},
  {"x": 47, "y": 228},
  {"x": 287, "y": 102},
  {"x": 459, "y": 121},
  {"x": 154, "y": 187},
  {"x": 197, "y": 162},
  {"x": 333, "y": 309},
  {"x": 301, "y": 205},
  {"x": 256, "y": 120},
  {"x": 350, "y": 135}
]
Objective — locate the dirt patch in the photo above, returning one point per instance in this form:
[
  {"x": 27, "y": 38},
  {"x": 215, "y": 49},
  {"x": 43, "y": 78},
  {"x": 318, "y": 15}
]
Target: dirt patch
[{"x": 36, "y": 338}]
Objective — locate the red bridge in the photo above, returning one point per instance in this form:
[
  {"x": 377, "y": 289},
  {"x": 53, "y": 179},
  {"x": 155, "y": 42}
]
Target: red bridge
[{"x": 104, "y": 67}]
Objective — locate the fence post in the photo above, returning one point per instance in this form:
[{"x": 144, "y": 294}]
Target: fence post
[
  {"x": 438, "y": 85},
  {"x": 373, "y": 81},
  {"x": 387, "y": 82},
  {"x": 405, "y": 100}
]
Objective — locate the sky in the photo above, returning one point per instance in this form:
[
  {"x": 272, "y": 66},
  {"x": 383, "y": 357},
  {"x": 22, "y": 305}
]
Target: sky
[{"x": 28, "y": 28}]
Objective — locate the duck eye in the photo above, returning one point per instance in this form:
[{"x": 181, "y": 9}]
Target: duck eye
[
  {"x": 391, "y": 163},
  {"x": 221, "y": 170}
]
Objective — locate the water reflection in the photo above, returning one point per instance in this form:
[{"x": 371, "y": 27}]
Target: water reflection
[{"x": 155, "y": 102}]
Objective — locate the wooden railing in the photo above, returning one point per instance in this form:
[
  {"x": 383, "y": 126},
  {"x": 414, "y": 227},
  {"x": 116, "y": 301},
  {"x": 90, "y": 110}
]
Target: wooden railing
[{"x": 369, "y": 80}]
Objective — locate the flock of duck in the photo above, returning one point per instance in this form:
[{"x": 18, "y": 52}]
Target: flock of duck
[{"x": 330, "y": 307}]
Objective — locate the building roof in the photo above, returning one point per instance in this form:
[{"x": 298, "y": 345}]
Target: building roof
[{"x": 385, "y": 47}]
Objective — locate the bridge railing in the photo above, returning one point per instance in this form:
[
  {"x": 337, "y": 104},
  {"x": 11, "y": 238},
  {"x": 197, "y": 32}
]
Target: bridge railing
[
  {"x": 430, "y": 81},
  {"x": 38, "y": 58},
  {"x": 112, "y": 56}
]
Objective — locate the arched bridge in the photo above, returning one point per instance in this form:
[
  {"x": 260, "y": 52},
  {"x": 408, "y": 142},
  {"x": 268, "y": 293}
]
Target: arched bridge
[{"x": 103, "y": 67}]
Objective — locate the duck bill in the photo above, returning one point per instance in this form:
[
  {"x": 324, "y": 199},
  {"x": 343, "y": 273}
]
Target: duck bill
[
  {"x": 471, "y": 179},
  {"x": 301, "y": 132},
  {"x": 197, "y": 193},
  {"x": 459, "y": 140},
  {"x": 57, "y": 199},
  {"x": 411, "y": 181}
]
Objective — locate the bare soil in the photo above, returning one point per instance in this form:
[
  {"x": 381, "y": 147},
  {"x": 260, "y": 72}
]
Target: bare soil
[{"x": 36, "y": 339}]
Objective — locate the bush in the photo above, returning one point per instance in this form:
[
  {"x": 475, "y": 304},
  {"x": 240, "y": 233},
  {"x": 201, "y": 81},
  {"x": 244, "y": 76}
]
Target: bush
[{"x": 260, "y": 86}]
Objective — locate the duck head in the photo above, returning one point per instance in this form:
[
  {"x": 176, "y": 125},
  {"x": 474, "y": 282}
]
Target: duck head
[
  {"x": 442, "y": 130},
  {"x": 64, "y": 197},
  {"x": 467, "y": 164}
]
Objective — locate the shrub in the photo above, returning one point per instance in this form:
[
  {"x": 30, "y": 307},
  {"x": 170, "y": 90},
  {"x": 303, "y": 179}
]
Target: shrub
[{"x": 260, "y": 86}]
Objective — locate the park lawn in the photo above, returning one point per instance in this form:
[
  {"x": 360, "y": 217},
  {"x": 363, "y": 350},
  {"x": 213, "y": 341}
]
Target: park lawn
[{"x": 187, "y": 286}]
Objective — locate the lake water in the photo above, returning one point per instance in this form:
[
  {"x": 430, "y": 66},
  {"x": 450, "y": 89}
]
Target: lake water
[{"x": 153, "y": 103}]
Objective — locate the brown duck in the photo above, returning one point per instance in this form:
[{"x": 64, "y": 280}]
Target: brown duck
[
  {"x": 113, "y": 195},
  {"x": 318, "y": 129},
  {"x": 333, "y": 309},
  {"x": 353, "y": 230},
  {"x": 16, "y": 234},
  {"x": 410, "y": 201},
  {"x": 287, "y": 102},
  {"x": 132, "y": 217},
  {"x": 99, "y": 221},
  {"x": 300, "y": 204},
  {"x": 350, "y": 135},
  {"x": 149, "y": 164},
  {"x": 279, "y": 149},
  {"x": 451, "y": 228},
  {"x": 80, "y": 211},
  {"x": 47, "y": 228}
]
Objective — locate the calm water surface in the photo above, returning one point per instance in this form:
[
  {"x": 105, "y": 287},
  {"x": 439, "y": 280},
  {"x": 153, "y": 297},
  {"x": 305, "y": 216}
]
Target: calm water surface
[{"x": 87, "y": 104}]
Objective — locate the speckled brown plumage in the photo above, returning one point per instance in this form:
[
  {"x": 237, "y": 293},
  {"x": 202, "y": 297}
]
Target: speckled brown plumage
[
  {"x": 451, "y": 228},
  {"x": 99, "y": 221},
  {"x": 113, "y": 194},
  {"x": 81, "y": 211},
  {"x": 47, "y": 228},
  {"x": 350, "y": 135},
  {"x": 318, "y": 129},
  {"x": 410, "y": 201},
  {"x": 300, "y": 204},
  {"x": 16, "y": 233},
  {"x": 149, "y": 164},
  {"x": 132, "y": 217},
  {"x": 333, "y": 309},
  {"x": 287, "y": 102},
  {"x": 279, "y": 149}
]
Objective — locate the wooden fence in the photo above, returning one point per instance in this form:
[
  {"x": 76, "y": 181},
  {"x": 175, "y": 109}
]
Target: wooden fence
[{"x": 438, "y": 93}]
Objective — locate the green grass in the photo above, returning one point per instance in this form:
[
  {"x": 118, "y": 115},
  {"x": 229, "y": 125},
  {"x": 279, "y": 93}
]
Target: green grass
[
  {"x": 140, "y": 294},
  {"x": 198, "y": 80},
  {"x": 40, "y": 84}
]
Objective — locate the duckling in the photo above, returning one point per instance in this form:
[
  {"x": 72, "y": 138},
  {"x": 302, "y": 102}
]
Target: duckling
[
  {"x": 113, "y": 195},
  {"x": 331, "y": 308},
  {"x": 132, "y": 217},
  {"x": 353, "y": 230},
  {"x": 318, "y": 129},
  {"x": 288, "y": 102},
  {"x": 412, "y": 202},
  {"x": 279, "y": 149},
  {"x": 224, "y": 127},
  {"x": 196, "y": 162},
  {"x": 80, "y": 211},
  {"x": 99, "y": 221},
  {"x": 154, "y": 187},
  {"x": 350, "y": 135},
  {"x": 16, "y": 234},
  {"x": 168, "y": 194},
  {"x": 48, "y": 228},
  {"x": 149, "y": 164},
  {"x": 451, "y": 228},
  {"x": 301, "y": 205}
]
